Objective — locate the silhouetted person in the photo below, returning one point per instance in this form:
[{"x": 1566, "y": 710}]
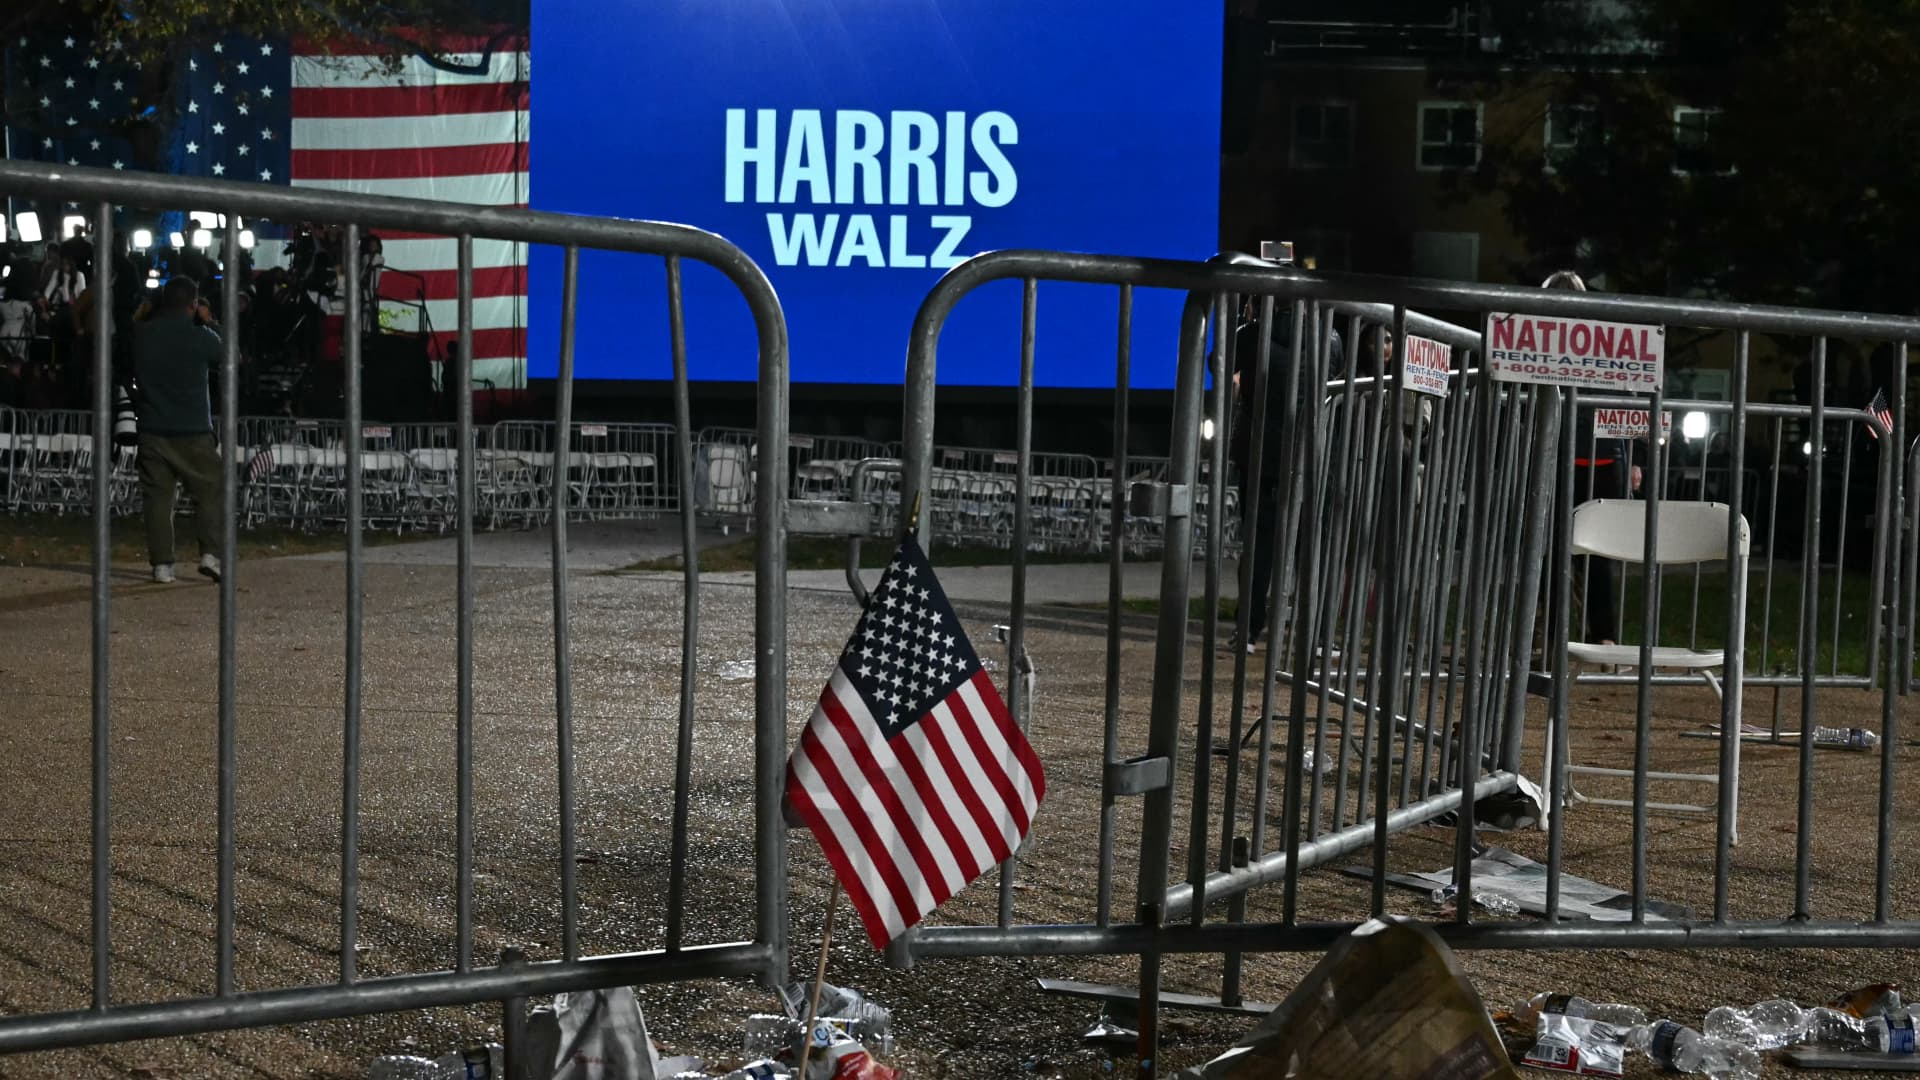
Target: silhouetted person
[
  {"x": 175, "y": 351},
  {"x": 1246, "y": 345}
]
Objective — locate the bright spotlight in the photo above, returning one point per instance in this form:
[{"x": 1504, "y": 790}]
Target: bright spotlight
[
  {"x": 203, "y": 238},
  {"x": 28, "y": 225},
  {"x": 142, "y": 239},
  {"x": 1694, "y": 425}
]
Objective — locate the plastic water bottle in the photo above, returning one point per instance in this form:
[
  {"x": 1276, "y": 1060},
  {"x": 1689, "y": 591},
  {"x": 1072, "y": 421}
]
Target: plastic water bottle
[
  {"x": 474, "y": 1063},
  {"x": 1499, "y": 905},
  {"x": 1852, "y": 738},
  {"x": 1771, "y": 1025},
  {"x": 404, "y": 1067},
  {"x": 1894, "y": 1033},
  {"x": 1580, "y": 1009},
  {"x": 1682, "y": 1049}
]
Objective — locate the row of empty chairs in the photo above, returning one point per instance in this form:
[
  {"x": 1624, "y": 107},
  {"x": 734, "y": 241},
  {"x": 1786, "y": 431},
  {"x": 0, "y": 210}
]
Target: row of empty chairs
[{"x": 294, "y": 474}]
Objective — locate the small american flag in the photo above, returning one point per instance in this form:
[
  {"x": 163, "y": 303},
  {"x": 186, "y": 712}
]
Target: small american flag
[
  {"x": 911, "y": 774},
  {"x": 259, "y": 466},
  {"x": 1882, "y": 415}
]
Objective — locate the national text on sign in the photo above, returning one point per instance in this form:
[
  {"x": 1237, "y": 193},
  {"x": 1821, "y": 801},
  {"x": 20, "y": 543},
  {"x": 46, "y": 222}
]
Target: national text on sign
[
  {"x": 1550, "y": 337},
  {"x": 1429, "y": 355}
]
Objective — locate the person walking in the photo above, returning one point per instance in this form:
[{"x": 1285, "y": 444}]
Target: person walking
[
  {"x": 174, "y": 352},
  {"x": 1272, "y": 448}
]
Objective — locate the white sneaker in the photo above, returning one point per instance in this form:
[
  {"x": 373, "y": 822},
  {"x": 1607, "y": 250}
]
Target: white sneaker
[
  {"x": 163, "y": 573},
  {"x": 209, "y": 567}
]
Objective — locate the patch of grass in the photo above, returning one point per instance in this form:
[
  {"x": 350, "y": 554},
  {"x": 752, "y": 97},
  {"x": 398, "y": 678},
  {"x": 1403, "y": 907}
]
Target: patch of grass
[
  {"x": 67, "y": 540},
  {"x": 830, "y": 553},
  {"x": 1777, "y": 614}
]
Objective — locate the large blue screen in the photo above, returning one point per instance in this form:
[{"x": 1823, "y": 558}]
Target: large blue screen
[{"x": 858, "y": 148}]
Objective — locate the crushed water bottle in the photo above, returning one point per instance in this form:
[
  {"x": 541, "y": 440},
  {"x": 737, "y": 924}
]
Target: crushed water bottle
[
  {"x": 473, "y": 1063},
  {"x": 1851, "y": 738},
  {"x": 769, "y": 1035},
  {"x": 403, "y": 1067},
  {"x": 1499, "y": 905},
  {"x": 1682, "y": 1049},
  {"x": 849, "y": 1010},
  {"x": 1580, "y": 1009},
  {"x": 1893, "y": 1033},
  {"x": 1771, "y": 1025}
]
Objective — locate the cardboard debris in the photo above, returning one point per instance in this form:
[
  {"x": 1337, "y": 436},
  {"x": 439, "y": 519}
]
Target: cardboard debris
[
  {"x": 1500, "y": 871},
  {"x": 1387, "y": 1002}
]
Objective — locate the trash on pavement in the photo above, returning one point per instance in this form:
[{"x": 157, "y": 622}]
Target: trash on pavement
[
  {"x": 1580, "y": 1008},
  {"x": 772, "y": 1035},
  {"x": 759, "y": 1070},
  {"x": 473, "y": 1063},
  {"x": 838, "y": 1057},
  {"x": 1387, "y": 1002},
  {"x": 1502, "y": 871},
  {"x": 1876, "y": 999},
  {"x": 1679, "y": 1048},
  {"x": 1108, "y": 1032},
  {"x": 850, "y": 1010},
  {"x": 1573, "y": 1044},
  {"x": 1772, "y": 1025},
  {"x": 1837, "y": 738},
  {"x": 1893, "y": 1034},
  {"x": 1503, "y": 811},
  {"x": 593, "y": 1035},
  {"x": 1497, "y": 904}
]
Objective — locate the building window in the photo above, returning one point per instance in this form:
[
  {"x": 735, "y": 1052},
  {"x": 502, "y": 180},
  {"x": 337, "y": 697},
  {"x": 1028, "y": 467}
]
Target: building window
[
  {"x": 1322, "y": 135},
  {"x": 1449, "y": 135},
  {"x": 1451, "y": 256},
  {"x": 1695, "y": 147},
  {"x": 1572, "y": 130}
]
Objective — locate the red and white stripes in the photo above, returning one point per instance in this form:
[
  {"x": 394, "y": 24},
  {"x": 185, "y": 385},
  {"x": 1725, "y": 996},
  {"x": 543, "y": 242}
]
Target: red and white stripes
[{"x": 423, "y": 132}]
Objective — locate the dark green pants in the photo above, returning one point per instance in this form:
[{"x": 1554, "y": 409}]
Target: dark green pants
[{"x": 170, "y": 460}]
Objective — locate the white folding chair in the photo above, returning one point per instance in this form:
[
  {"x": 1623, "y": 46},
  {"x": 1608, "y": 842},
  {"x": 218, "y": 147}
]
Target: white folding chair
[
  {"x": 730, "y": 479},
  {"x": 1689, "y": 533}
]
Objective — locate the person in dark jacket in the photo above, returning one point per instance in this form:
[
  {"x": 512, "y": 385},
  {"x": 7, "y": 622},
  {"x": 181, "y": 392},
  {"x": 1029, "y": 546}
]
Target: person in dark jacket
[
  {"x": 175, "y": 351},
  {"x": 1601, "y": 471},
  {"x": 1264, "y": 503}
]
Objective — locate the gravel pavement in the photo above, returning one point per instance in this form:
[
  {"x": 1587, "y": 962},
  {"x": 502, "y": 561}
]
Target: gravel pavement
[{"x": 953, "y": 1018}]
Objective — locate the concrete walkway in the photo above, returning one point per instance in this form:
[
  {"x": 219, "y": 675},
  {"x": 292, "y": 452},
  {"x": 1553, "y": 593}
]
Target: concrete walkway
[
  {"x": 599, "y": 546},
  {"x": 1073, "y": 584},
  {"x": 592, "y": 547}
]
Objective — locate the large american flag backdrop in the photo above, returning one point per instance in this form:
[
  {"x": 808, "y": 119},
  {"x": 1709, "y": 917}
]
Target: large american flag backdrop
[
  {"x": 911, "y": 774},
  {"x": 331, "y": 117}
]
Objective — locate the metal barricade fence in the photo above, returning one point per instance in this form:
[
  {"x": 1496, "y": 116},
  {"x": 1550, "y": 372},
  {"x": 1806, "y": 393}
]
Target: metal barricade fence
[
  {"x": 13, "y": 455},
  {"x": 468, "y": 979},
  {"x": 821, "y": 465},
  {"x": 1848, "y": 558},
  {"x": 58, "y": 460},
  {"x": 974, "y": 490},
  {"x": 1907, "y": 562},
  {"x": 1420, "y": 593}
]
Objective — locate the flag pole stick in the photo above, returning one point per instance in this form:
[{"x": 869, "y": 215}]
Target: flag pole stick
[{"x": 819, "y": 978}]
